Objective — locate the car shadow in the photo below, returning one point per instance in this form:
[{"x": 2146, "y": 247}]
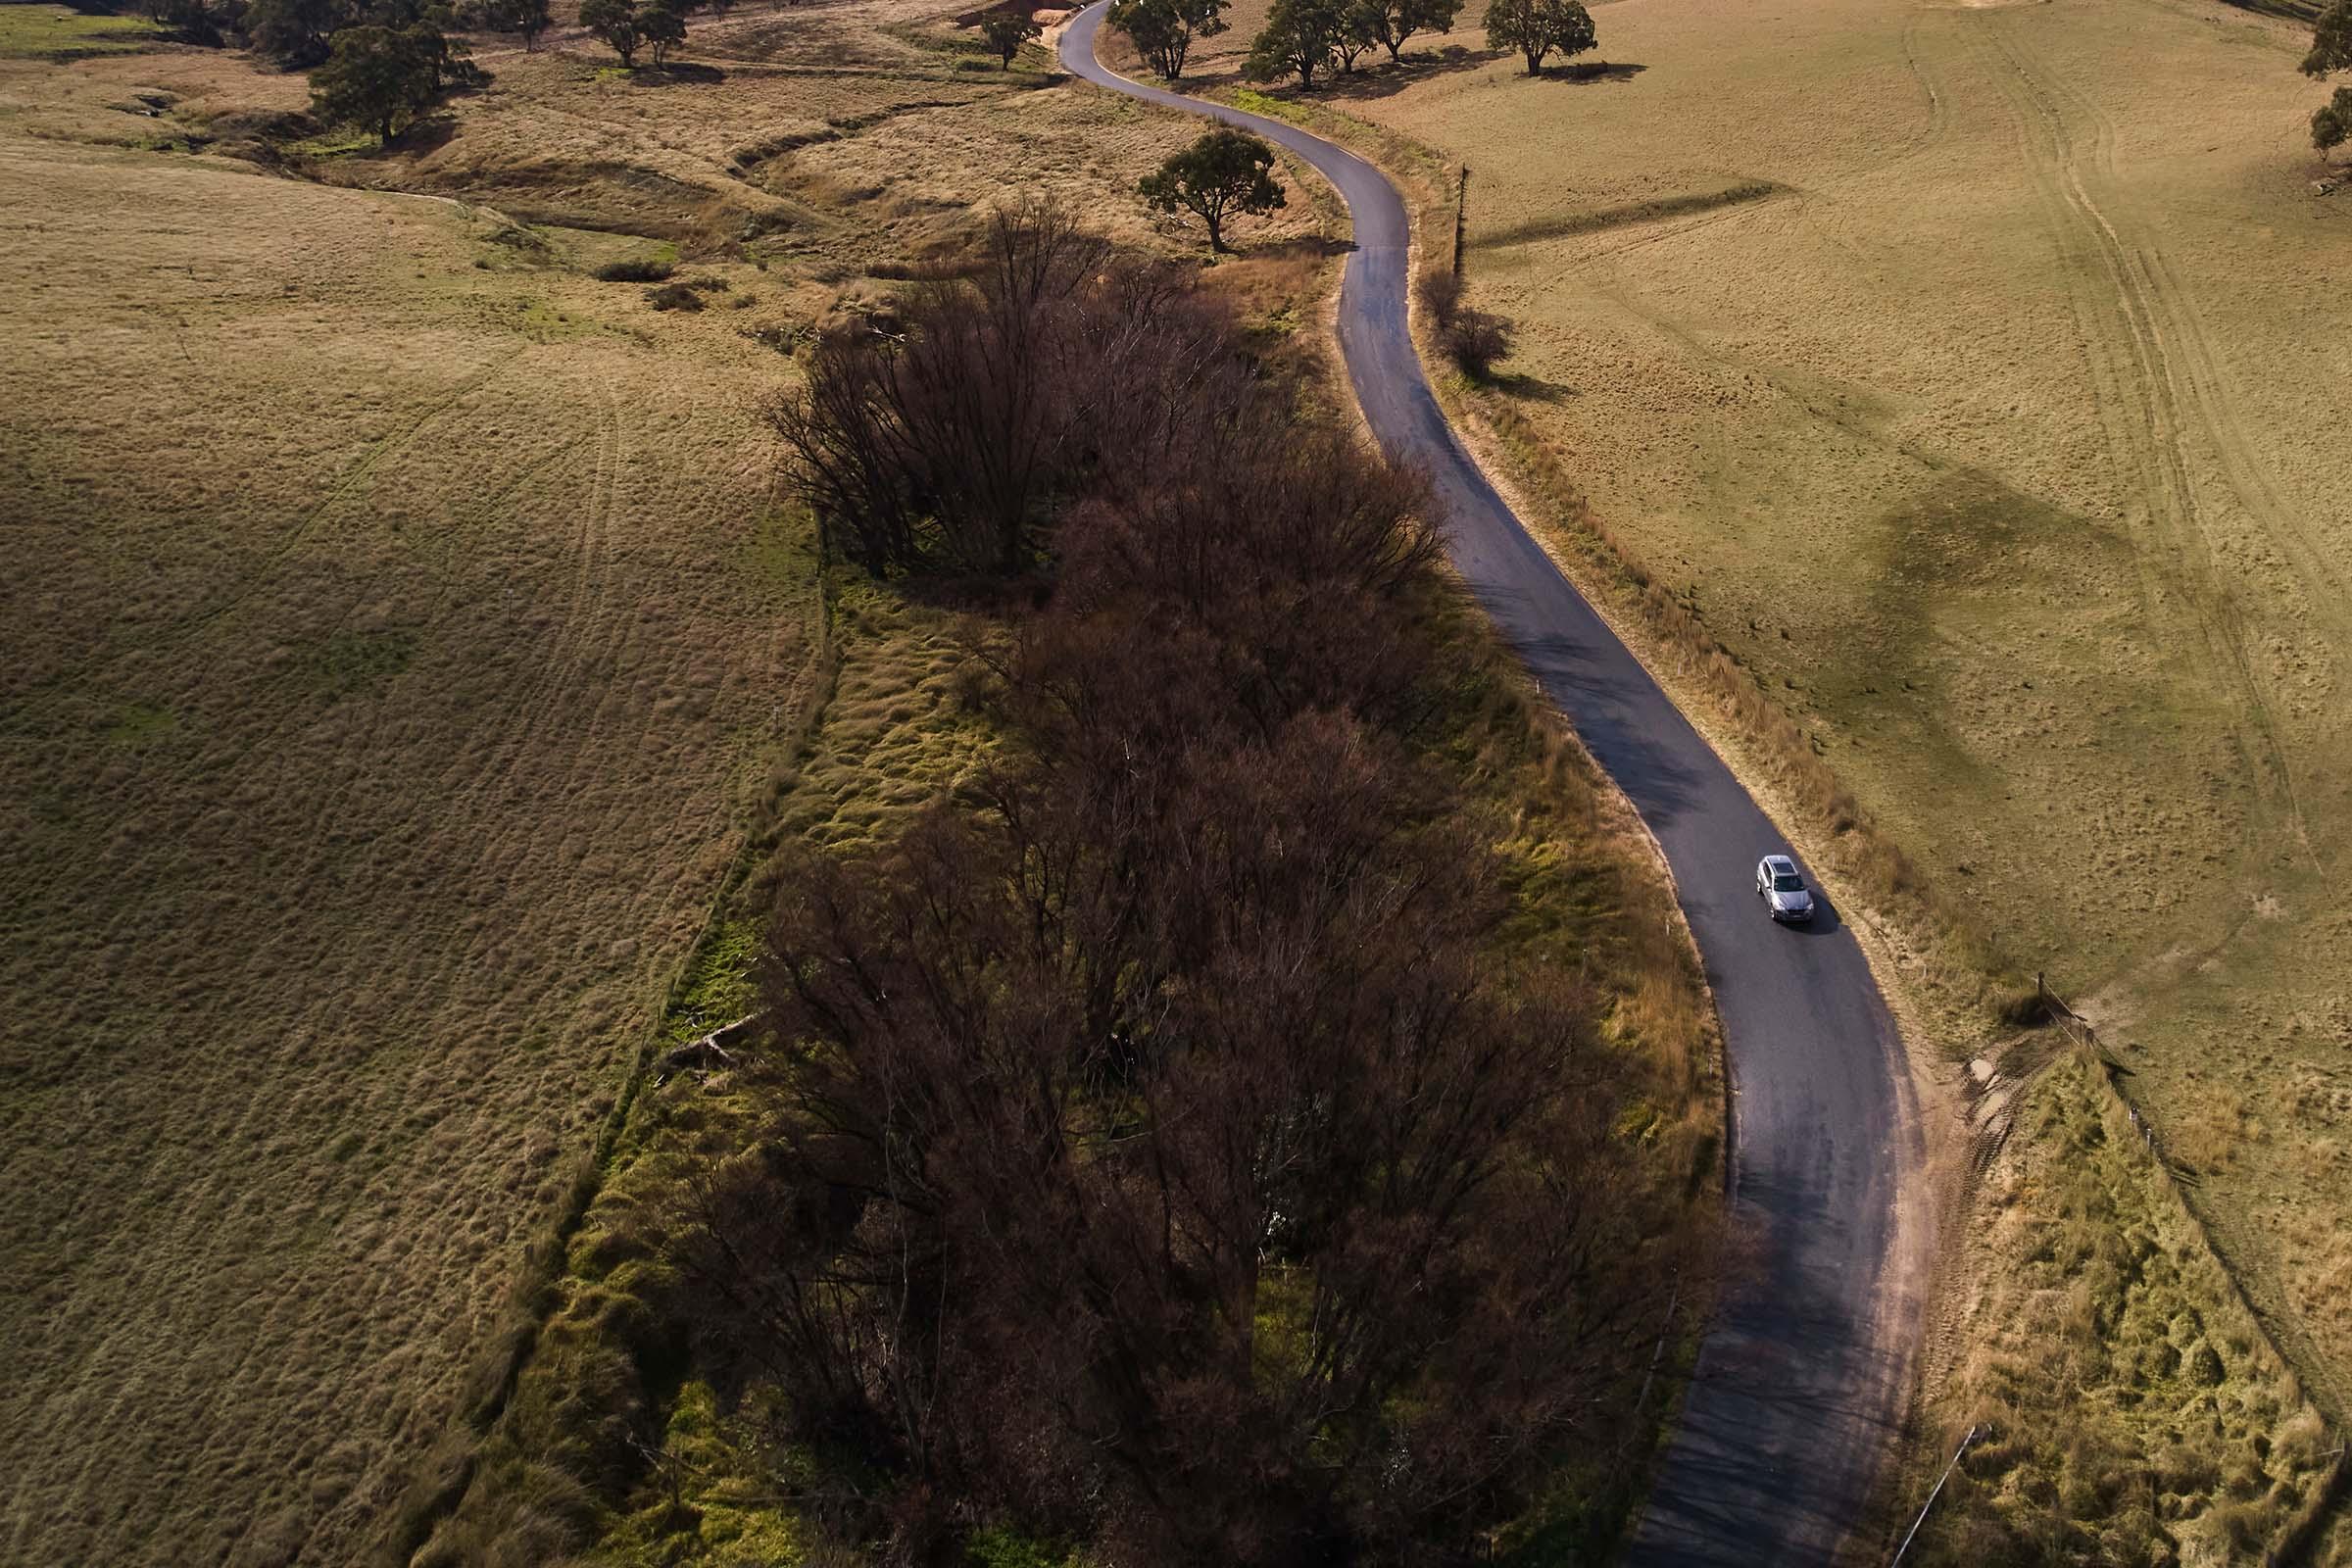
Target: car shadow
[{"x": 1825, "y": 921}]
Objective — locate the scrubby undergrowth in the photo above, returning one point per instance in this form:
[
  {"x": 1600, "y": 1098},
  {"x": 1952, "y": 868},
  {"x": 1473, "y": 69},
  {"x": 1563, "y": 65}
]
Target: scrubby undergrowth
[
  {"x": 2130, "y": 1408},
  {"x": 1102, "y": 966}
]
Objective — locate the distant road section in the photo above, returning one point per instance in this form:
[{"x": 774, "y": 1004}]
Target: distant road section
[{"x": 1802, "y": 1383}]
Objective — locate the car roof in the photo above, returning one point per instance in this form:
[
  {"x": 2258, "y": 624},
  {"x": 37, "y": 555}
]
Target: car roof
[{"x": 1780, "y": 862}]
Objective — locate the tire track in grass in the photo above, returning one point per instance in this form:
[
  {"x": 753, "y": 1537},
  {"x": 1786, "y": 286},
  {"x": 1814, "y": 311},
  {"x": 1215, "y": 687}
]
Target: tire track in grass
[
  {"x": 2194, "y": 379},
  {"x": 92, "y": 675},
  {"x": 2130, "y": 337},
  {"x": 553, "y": 674},
  {"x": 399, "y": 439},
  {"x": 488, "y": 787}
]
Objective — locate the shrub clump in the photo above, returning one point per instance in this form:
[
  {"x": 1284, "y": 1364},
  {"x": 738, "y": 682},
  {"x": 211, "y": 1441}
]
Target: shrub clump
[
  {"x": 1476, "y": 341},
  {"x": 945, "y": 439},
  {"x": 634, "y": 272}
]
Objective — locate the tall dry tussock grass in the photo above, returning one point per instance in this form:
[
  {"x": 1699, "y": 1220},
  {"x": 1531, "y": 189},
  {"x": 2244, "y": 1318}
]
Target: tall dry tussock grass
[{"x": 2128, "y": 1404}]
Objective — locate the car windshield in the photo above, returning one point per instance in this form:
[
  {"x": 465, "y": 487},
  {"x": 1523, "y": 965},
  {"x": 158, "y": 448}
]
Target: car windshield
[{"x": 1787, "y": 882}]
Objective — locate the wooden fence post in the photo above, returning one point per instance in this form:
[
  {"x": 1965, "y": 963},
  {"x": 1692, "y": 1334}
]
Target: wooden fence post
[{"x": 1461, "y": 218}]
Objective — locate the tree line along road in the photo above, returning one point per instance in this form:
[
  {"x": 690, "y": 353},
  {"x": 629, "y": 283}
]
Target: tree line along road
[{"x": 1802, "y": 1381}]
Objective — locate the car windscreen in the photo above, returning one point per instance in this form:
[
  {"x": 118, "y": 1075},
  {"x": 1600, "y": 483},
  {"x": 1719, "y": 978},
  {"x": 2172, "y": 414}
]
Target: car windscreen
[{"x": 1787, "y": 882}]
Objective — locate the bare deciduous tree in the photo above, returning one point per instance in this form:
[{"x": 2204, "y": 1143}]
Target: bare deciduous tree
[{"x": 1157, "y": 1152}]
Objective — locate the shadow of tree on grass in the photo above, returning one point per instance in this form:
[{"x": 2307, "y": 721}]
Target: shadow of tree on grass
[
  {"x": 677, "y": 74},
  {"x": 1386, "y": 78},
  {"x": 1535, "y": 388},
  {"x": 1590, "y": 70}
]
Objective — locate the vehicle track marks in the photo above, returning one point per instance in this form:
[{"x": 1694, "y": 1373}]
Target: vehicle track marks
[
  {"x": 399, "y": 439},
  {"x": 2159, "y": 389},
  {"x": 536, "y": 706}
]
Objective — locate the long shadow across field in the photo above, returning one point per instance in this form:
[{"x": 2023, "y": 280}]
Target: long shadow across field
[{"x": 1802, "y": 1381}]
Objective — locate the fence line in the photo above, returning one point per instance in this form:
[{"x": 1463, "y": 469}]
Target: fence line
[
  {"x": 1938, "y": 1492},
  {"x": 2300, "y": 1536},
  {"x": 2077, "y": 1028}
]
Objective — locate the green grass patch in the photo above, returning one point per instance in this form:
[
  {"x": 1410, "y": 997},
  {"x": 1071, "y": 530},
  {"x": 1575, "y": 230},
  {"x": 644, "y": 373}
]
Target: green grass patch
[
  {"x": 901, "y": 731},
  {"x": 1252, "y": 101},
  {"x": 1001, "y": 1548},
  {"x": 53, "y": 33},
  {"x": 339, "y": 142},
  {"x": 718, "y": 987},
  {"x": 358, "y": 663},
  {"x": 542, "y": 322},
  {"x": 692, "y": 1507},
  {"x": 2129, "y": 1407},
  {"x": 779, "y": 554},
  {"x": 138, "y": 725}
]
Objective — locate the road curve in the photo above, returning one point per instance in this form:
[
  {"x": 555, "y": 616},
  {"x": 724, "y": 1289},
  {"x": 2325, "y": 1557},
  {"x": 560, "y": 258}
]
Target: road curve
[{"x": 1802, "y": 1381}]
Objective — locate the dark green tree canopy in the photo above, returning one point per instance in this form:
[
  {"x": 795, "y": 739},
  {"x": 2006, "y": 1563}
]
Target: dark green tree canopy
[
  {"x": 1535, "y": 28},
  {"x": 1163, "y": 31},
  {"x": 1355, "y": 35},
  {"x": 1389, "y": 23},
  {"x": 295, "y": 32},
  {"x": 2332, "y": 52},
  {"x": 2331, "y": 43},
  {"x": 447, "y": 57},
  {"x": 372, "y": 77},
  {"x": 662, "y": 27},
  {"x": 199, "y": 22},
  {"x": 2331, "y": 127},
  {"x": 1224, "y": 173},
  {"x": 1007, "y": 32},
  {"x": 526, "y": 19},
  {"x": 615, "y": 22},
  {"x": 1301, "y": 35}
]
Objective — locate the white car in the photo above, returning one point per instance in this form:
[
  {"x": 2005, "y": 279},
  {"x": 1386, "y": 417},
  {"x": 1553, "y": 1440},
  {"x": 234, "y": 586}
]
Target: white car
[{"x": 1782, "y": 889}]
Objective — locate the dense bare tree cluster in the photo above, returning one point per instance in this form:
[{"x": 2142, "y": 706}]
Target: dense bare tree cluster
[
  {"x": 947, "y": 438},
  {"x": 1161, "y": 1155}
]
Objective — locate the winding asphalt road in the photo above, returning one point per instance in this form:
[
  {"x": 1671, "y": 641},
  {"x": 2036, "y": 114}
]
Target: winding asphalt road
[{"x": 1802, "y": 1381}]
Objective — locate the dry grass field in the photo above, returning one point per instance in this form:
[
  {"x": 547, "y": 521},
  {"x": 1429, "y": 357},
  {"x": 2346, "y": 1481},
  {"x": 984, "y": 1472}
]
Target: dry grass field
[
  {"x": 391, "y": 647},
  {"x": 1978, "y": 374},
  {"x": 400, "y": 642}
]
